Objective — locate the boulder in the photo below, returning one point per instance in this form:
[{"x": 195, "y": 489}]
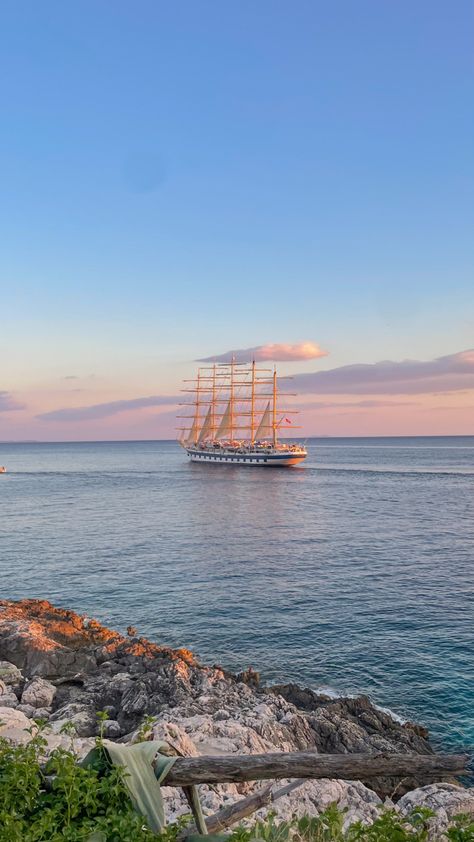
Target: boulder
[
  {"x": 111, "y": 729},
  {"x": 10, "y": 674},
  {"x": 442, "y": 798},
  {"x": 83, "y": 718},
  {"x": 9, "y": 700},
  {"x": 38, "y": 693},
  {"x": 14, "y": 725}
]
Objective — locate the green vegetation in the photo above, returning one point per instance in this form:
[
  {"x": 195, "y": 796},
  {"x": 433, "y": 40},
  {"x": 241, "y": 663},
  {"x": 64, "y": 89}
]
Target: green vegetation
[
  {"x": 328, "y": 827},
  {"x": 63, "y": 801}
]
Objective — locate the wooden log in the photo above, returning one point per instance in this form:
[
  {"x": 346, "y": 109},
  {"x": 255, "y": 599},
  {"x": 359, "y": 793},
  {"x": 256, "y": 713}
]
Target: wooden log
[{"x": 305, "y": 764}]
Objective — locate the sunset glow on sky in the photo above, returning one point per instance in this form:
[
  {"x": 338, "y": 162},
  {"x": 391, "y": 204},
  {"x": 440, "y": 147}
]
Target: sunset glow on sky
[{"x": 291, "y": 183}]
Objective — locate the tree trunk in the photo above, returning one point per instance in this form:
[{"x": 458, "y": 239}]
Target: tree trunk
[{"x": 305, "y": 764}]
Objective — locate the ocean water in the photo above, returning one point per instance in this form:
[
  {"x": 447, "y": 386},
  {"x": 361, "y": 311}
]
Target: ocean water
[{"x": 354, "y": 572}]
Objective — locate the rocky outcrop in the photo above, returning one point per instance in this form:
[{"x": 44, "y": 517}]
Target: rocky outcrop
[
  {"x": 50, "y": 642},
  {"x": 65, "y": 668}
]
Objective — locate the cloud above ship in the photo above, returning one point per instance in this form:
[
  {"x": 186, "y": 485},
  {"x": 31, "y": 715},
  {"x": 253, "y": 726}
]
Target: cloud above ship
[
  {"x": 451, "y": 373},
  {"x": 105, "y": 410},
  {"x": 277, "y": 352},
  {"x": 366, "y": 404},
  {"x": 8, "y": 403}
]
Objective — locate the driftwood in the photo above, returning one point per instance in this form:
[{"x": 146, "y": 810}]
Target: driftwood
[
  {"x": 187, "y": 771},
  {"x": 239, "y": 810}
]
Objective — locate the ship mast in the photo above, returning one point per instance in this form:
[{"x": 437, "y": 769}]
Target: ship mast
[
  {"x": 213, "y": 403},
  {"x": 231, "y": 400},
  {"x": 274, "y": 408},
  {"x": 252, "y": 407},
  {"x": 196, "y": 416},
  {"x": 218, "y": 392}
]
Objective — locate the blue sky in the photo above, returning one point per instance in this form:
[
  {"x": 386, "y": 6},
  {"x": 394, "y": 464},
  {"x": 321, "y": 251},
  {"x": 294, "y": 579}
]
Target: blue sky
[{"x": 180, "y": 179}]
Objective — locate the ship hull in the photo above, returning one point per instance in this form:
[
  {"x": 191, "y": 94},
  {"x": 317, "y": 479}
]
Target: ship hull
[{"x": 254, "y": 460}]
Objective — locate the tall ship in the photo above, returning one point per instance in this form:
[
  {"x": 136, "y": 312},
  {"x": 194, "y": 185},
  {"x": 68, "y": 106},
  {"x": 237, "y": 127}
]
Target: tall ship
[{"x": 236, "y": 418}]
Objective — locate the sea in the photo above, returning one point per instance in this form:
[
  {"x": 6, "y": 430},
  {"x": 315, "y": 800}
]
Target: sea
[{"x": 351, "y": 574}]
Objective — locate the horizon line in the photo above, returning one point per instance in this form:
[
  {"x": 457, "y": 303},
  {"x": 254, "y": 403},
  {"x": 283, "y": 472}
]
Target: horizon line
[{"x": 298, "y": 438}]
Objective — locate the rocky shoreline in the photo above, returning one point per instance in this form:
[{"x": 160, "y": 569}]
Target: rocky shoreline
[{"x": 64, "y": 668}]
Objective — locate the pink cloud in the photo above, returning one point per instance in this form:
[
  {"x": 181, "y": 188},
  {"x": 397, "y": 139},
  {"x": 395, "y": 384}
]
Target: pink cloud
[
  {"x": 278, "y": 352},
  {"x": 451, "y": 373}
]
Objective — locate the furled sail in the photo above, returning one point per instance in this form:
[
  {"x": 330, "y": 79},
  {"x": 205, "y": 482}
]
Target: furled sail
[
  {"x": 224, "y": 427},
  {"x": 206, "y": 427},
  {"x": 265, "y": 428}
]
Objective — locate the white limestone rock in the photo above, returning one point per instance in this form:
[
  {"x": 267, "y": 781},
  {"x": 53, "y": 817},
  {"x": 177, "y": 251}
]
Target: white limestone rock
[
  {"x": 80, "y": 746},
  {"x": 446, "y": 800},
  {"x": 14, "y": 725}
]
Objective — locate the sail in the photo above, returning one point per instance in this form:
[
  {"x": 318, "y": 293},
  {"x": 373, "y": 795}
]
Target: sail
[
  {"x": 206, "y": 427},
  {"x": 224, "y": 427},
  {"x": 265, "y": 428},
  {"x": 193, "y": 433}
]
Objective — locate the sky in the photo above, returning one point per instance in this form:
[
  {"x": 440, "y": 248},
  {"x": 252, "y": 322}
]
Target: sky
[{"x": 288, "y": 181}]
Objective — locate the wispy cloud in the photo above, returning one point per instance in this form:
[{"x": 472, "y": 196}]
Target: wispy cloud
[
  {"x": 278, "y": 352},
  {"x": 71, "y": 377},
  {"x": 451, "y": 373},
  {"x": 8, "y": 403},
  {"x": 367, "y": 404},
  {"x": 105, "y": 410}
]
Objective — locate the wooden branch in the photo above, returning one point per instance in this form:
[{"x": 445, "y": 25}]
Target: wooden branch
[
  {"x": 233, "y": 813},
  {"x": 237, "y": 811},
  {"x": 305, "y": 764}
]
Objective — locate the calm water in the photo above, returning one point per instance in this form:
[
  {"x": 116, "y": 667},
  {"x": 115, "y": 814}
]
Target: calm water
[{"x": 354, "y": 572}]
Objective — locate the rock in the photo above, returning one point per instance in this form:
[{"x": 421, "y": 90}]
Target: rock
[
  {"x": 77, "y": 745},
  {"x": 83, "y": 717},
  {"x": 28, "y": 710},
  {"x": 175, "y": 736},
  {"x": 42, "y": 713},
  {"x": 39, "y": 693},
  {"x": 439, "y": 797},
  {"x": 111, "y": 729},
  {"x": 348, "y": 725},
  {"x": 9, "y": 700},
  {"x": 10, "y": 674},
  {"x": 97, "y": 669},
  {"x": 14, "y": 725},
  {"x": 221, "y": 715}
]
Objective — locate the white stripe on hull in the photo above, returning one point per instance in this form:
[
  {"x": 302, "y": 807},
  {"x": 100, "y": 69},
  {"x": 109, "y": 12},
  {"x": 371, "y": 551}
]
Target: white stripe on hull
[{"x": 269, "y": 460}]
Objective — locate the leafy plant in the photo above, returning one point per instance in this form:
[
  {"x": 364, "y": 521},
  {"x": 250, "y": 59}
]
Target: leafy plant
[
  {"x": 145, "y": 729},
  {"x": 328, "y": 826},
  {"x": 64, "y": 801}
]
